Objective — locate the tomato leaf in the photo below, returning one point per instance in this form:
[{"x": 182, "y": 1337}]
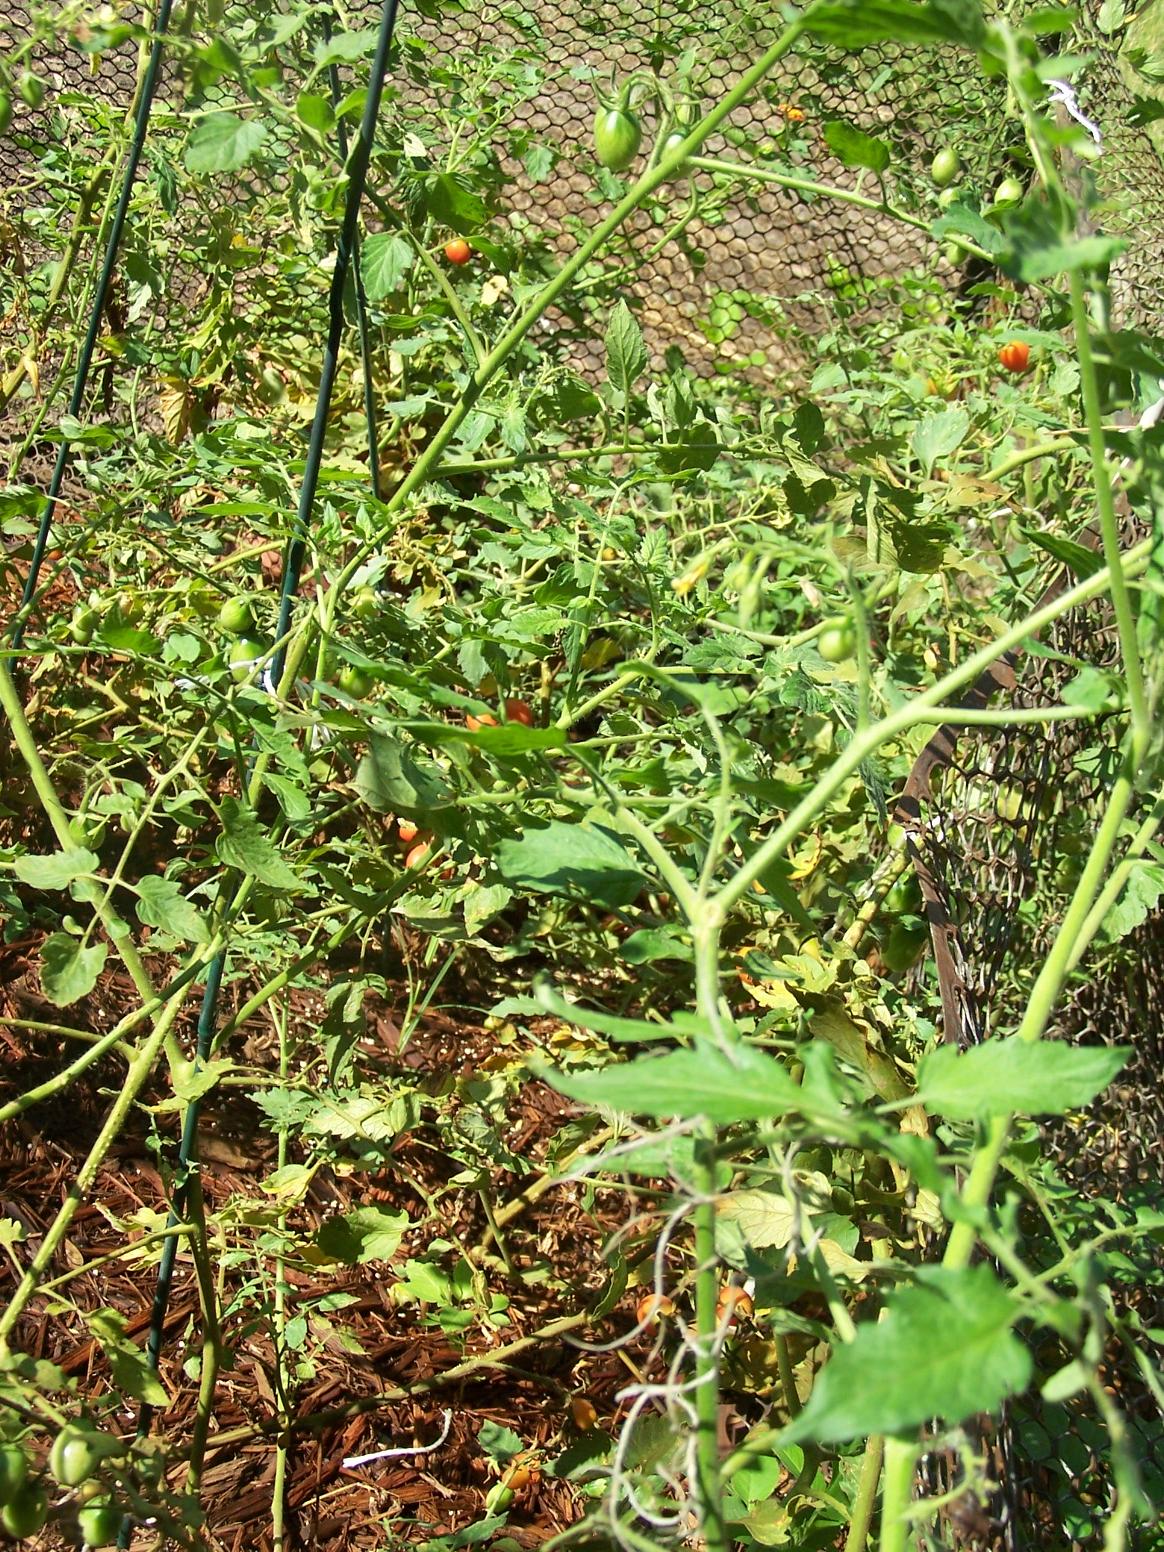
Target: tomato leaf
[
  {"x": 1003, "y": 1076},
  {"x": 69, "y": 971},
  {"x": 132, "y": 1371},
  {"x": 55, "y": 871},
  {"x": 855, "y": 148},
  {"x": 851, "y": 24},
  {"x": 938, "y": 435},
  {"x": 161, "y": 904},
  {"x": 572, "y": 859},
  {"x": 367, "y": 1234},
  {"x": 626, "y": 355},
  {"x": 245, "y": 845},
  {"x": 222, "y": 142},
  {"x": 743, "y": 1085},
  {"x": 385, "y": 260},
  {"x": 391, "y": 779},
  {"x": 944, "y": 1348},
  {"x": 315, "y": 112}
]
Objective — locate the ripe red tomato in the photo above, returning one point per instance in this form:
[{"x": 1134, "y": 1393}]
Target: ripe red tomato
[
  {"x": 458, "y": 251},
  {"x": 519, "y": 711},
  {"x": 1015, "y": 356}
]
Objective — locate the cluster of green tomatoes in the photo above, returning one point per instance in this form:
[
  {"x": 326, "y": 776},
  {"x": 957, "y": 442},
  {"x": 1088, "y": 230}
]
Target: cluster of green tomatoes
[{"x": 77, "y": 1453}]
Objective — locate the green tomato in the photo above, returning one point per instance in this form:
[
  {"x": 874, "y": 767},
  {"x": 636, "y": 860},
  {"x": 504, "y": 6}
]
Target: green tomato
[
  {"x": 5, "y": 112},
  {"x": 13, "y": 1470},
  {"x": 244, "y": 654},
  {"x": 617, "y": 137},
  {"x": 672, "y": 143},
  {"x": 355, "y": 681},
  {"x": 905, "y": 897},
  {"x": 25, "y": 1512},
  {"x": 366, "y": 603},
  {"x": 31, "y": 89},
  {"x": 1008, "y": 192},
  {"x": 947, "y": 197},
  {"x": 83, "y": 625},
  {"x": 235, "y": 617},
  {"x": 76, "y": 1453},
  {"x": 99, "y": 1523},
  {"x": 946, "y": 167},
  {"x": 837, "y": 643}
]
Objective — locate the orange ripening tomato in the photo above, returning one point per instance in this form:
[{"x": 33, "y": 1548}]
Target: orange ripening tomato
[
  {"x": 458, "y": 251},
  {"x": 407, "y": 831},
  {"x": 733, "y": 1303},
  {"x": 583, "y": 1413},
  {"x": 1015, "y": 356},
  {"x": 418, "y": 856},
  {"x": 652, "y": 1307},
  {"x": 486, "y": 719},
  {"x": 519, "y": 711}
]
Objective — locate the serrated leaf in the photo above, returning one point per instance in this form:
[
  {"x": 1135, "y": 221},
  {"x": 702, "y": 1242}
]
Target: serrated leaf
[
  {"x": 939, "y": 434},
  {"x": 385, "y": 260},
  {"x": 1006, "y": 1076},
  {"x": 161, "y": 904},
  {"x": 243, "y": 845},
  {"x": 132, "y": 1372},
  {"x": 56, "y": 870},
  {"x": 68, "y": 971},
  {"x": 746, "y": 1085},
  {"x": 315, "y": 112},
  {"x": 854, "y": 148},
  {"x": 582, "y": 861},
  {"x": 943, "y": 1348},
  {"x": 626, "y": 355},
  {"x": 366, "y": 1234},
  {"x": 222, "y": 142},
  {"x": 392, "y": 779},
  {"x": 1141, "y": 894},
  {"x": 852, "y": 24}
]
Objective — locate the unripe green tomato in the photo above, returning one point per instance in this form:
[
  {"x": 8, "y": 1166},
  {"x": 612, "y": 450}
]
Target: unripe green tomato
[
  {"x": 75, "y": 1454},
  {"x": 837, "y": 643},
  {"x": 617, "y": 137},
  {"x": 25, "y": 1512},
  {"x": 244, "y": 654},
  {"x": 83, "y": 624},
  {"x": 953, "y": 252},
  {"x": 99, "y": 1524},
  {"x": 355, "y": 681},
  {"x": 235, "y": 617},
  {"x": 946, "y": 167},
  {"x": 672, "y": 143},
  {"x": 128, "y": 608},
  {"x": 13, "y": 1470},
  {"x": 366, "y": 603},
  {"x": 905, "y": 897},
  {"x": 1008, "y": 192},
  {"x": 5, "y": 111},
  {"x": 947, "y": 197},
  {"x": 31, "y": 89}
]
